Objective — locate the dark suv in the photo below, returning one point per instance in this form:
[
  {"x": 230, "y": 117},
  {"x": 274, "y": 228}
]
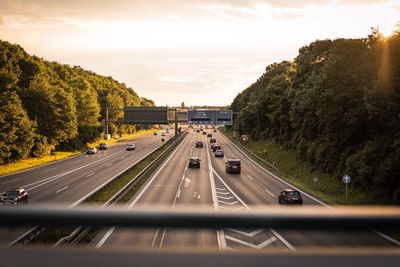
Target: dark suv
[
  {"x": 216, "y": 147},
  {"x": 233, "y": 166},
  {"x": 209, "y": 135},
  {"x": 199, "y": 144},
  {"x": 213, "y": 140},
  {"x": 14, "y": 197},
  {"x": 194, "y": 162},
  {"x": 103, "y": 146},
  {"x": 290, "y": 196}
]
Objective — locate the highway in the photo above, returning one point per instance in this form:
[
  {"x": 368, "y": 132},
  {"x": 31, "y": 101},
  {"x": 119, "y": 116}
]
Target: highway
[
  {"x": 210, "y": 186},
  {"x": 68, "y": 181}
]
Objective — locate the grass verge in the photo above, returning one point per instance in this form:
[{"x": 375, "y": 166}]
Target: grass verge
[{"x": 33, "y": 162}]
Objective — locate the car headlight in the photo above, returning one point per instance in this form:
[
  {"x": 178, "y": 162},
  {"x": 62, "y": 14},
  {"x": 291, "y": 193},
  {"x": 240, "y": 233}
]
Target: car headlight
[{"x": 16, "y": 198}]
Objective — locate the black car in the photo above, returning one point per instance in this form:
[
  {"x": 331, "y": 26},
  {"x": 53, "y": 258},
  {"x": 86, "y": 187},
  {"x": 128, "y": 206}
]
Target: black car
[
  {"x": 209, "y": 135},
  {"x": 197, "y": 131},
  {"x": 215, "y": 130},
  {"x": 216, "y": 147},
  {"x": 290, "y": 196},
  {"x": 233, "y": 166},
  {"x": 14, "y": 197},
  {"x": 199, "y": 144},
  {"x": 213, "y": 140},
  {"x": 103, "y": 146},
  {"x": 204, "y": 133},
  {"x": 194, "y": 162}
]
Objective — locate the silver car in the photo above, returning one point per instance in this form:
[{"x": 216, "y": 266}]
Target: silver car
[{"x": 219, "y": 153}]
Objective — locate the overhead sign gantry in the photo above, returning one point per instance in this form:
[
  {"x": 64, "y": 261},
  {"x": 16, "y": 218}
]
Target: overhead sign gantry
[{"x": 214, "y": 117}]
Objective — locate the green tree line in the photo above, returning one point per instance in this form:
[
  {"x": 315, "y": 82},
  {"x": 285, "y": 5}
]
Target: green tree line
[
  {"x": 46, "y": 105},
  {"x": 338, "y": 105}
]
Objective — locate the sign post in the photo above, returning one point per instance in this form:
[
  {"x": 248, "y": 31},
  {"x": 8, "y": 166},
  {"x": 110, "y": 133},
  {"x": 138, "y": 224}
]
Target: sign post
[
  {"x": 346, "y": 179},
  {"x": 315, "y": 179}
]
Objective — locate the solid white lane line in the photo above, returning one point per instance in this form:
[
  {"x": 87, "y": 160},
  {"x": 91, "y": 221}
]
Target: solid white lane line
[
  {"x": 13, "y": 180},
  {"x": 178, "y": 194},
  {"x": 111, "y": 230},
  {"x": 162, "y": 238},
  {"x": 154, "y": 238},
  {"x": 90, "y": 174},
  {"x": 220, "y": 233},
  {"x": 62, "y": 189}
]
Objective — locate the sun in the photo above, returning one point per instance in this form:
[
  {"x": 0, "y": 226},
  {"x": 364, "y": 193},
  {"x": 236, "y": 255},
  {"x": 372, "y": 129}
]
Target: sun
[{"x": 386, "y": 31}]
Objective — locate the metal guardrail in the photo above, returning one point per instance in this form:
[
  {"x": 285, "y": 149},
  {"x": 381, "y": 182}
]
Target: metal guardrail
[
  {"x": 307, "y": 217},
  {"x": 37, "y": 230}
]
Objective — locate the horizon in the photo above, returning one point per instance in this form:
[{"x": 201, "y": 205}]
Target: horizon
[{"x": 196, "y": 52}]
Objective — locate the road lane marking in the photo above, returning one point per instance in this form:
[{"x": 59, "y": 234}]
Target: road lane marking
[
  {"x": 62, "y": 189},
  {"x": 269, "y": 192},
  {"x": 223, "y": 193},
  {"x": 225, "y": 197},
  {"x": 178, "y": 194},
  {"x": 228, "y": 203},
  {"x": 251, "y": 178},
  {"x": 259, "y": 246},
  {"x": 220, "y": 189},
  {"x": 90, "y": 174},
  {"x": 251, "y": 234},
  {"x": 13, "y": 180},
  {"x": 108, "y": 165},
  {"x": 122, "y": 157}
]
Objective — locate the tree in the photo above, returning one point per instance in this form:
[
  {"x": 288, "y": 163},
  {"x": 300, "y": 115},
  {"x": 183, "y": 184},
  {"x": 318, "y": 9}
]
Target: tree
[{"x": 17, "y": 131}]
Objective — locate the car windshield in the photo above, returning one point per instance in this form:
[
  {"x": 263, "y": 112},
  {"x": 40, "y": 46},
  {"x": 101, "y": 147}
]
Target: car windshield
[
  {"x": 11, "y": 193},
  {"x": 294, "y": 194},
  {"x": 234, "y": 163}
]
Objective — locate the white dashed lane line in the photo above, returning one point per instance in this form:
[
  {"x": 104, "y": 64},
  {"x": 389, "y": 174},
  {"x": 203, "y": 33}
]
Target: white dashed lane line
[
  {"x": 90, "y": 174},
  {"x": 62, "y": 189},
  {"x": 108, "y": 165}
]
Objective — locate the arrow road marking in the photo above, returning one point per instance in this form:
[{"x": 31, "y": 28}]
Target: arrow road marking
[
  {"x": 187, "y": 182},
  {"x": 251, "y": 234},
  {"x": 259, "y": 246}
]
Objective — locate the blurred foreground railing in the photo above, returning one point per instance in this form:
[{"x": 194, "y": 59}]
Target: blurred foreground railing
[{"x": 313, "y": 218}]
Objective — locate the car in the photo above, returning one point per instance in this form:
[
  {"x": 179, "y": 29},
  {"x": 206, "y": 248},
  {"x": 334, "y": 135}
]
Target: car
[
  {"x": 204, "y": 133},
  {"x": 163, "y": 134},
  {"x": 155, "y": 133},
  {"x": 91, "y": 150},
  {"x": 290, "y": 196},
  {"x": 199, "y": 144},
  {"x": 130, "y": 147},
  {"x": 209, "y": 135},
  {"x": 219, "y": 153},
  {"x": 103, "y": 146},
  {"x": 14, "y": 197},
  {"x": 216, "y": 147},
  {"x": 233, "y": 166},
  {"x": 201, "y": 129},
  {"x": 213, "y": 140},
  {"x": 197, "y": 131},
  {"x": 194, "y": 162},
  {"x": 167, "y": 130},
  {"x": 215, "y": 130}
]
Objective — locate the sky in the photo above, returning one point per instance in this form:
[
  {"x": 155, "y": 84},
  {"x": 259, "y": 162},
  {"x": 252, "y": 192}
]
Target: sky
[{"x": 201, "y": 52}]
